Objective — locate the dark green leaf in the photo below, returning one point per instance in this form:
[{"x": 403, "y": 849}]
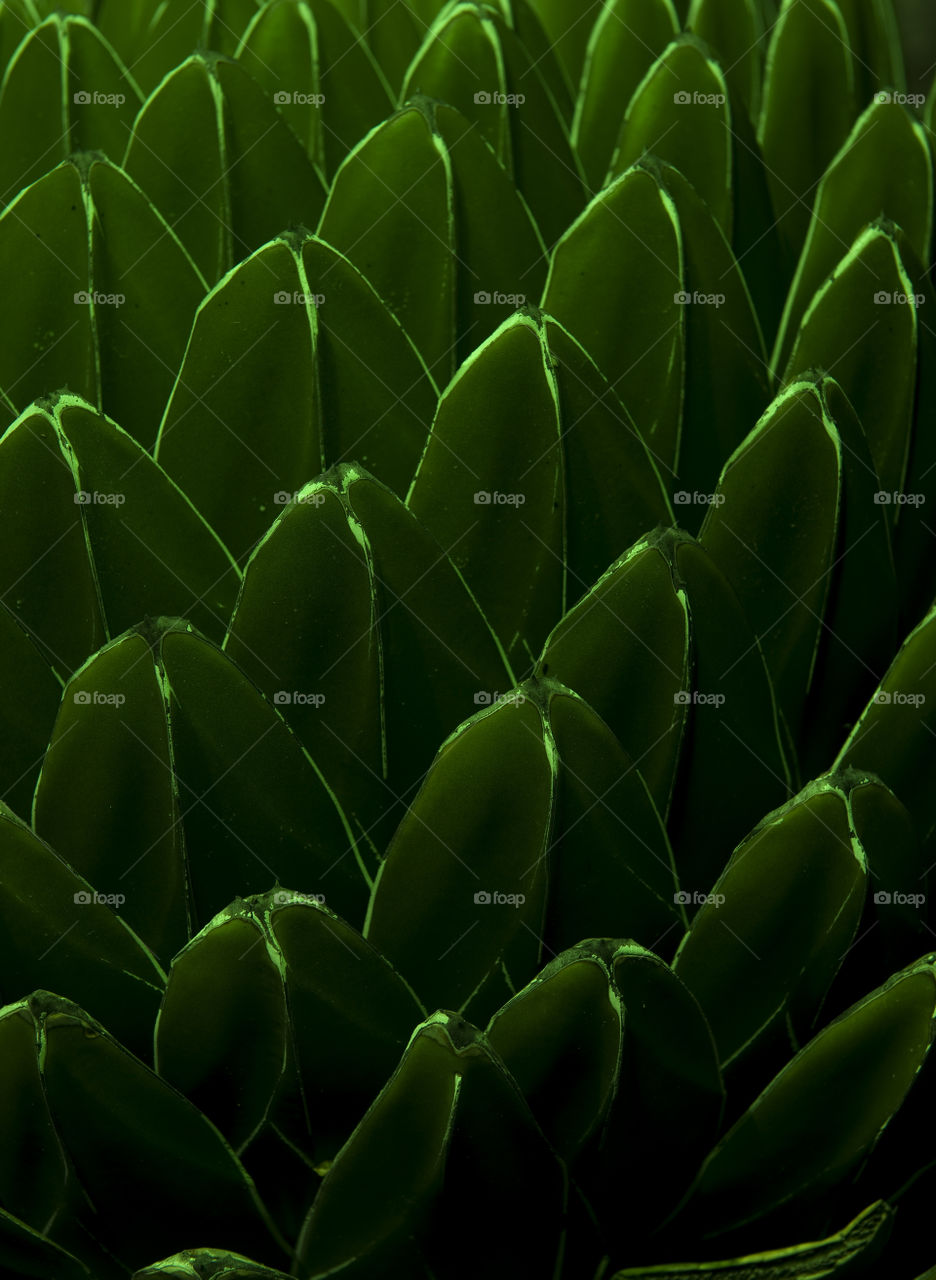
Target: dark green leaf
[
  {"x": 734, "y": 31},
  {"x": 29, "y": 699},
  {"x": 875, "y": 38}
]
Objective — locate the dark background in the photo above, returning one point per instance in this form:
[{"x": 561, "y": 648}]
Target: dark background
[{"x": 918, "y": 24}]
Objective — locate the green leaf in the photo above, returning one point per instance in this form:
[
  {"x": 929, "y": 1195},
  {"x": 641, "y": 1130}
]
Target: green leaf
[
  {"x": 668, "y": 1099},
  {"x": 319, "y": 73},
  {"x": 17, "y": 19},
  {"x": 862, "y": 327},
  {"x": 393, "y": 31},
  {"x": 58, "y": 930},
  {"x": 560, "y": 1039},
  {"x": 357, "y": 624},
  {"x": 733, "y": 767},
  {"x": 884, "y": 169},
  {"x": 294, "y": 364},
  {"x": 234, "y": 802},
  {"x": 29, "y": 1253},
  {"x": 29, "y": 699},
  {"x": 129, "y": 544},
  {"x": 860, "y": 1243},
  {"x": 800, "y": 133},
  {"x": 791, "y": 461},
  {"x": 448, "y": 1143},
  {"x": 779, "y": 918},
  {"x": 475, "y": 839},
  {"x": 426, "y": 178},
  {"x": 680, "y": 113},
  {"x": 632, "y": 223},
  {"x": 279, "y": 1011},
  {"x": 474, "y": 61},
  {"x": 154, "y": 1170},
  {"x": 734, "y": 31},
  {"x": 874, "y": 35},
  {"x": 154, "y": 36},
  {"x": 791, "y": 1142},
  {"x": 208, "y": 1264},
  {"x": 213, "y": 154},
  {"x": 533, "y": 518},
  {"x": 65, "y": 91},
  {"x": 625, "y": 649},
  {"x": 101, "y": 287},
  {"x": 625, "y": 40},
  {"x": 892, "y": 737},
  {"x": 570, "y": 31}
]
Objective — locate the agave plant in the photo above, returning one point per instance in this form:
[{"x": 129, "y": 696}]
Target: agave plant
[{"x": 467, "y": 641}]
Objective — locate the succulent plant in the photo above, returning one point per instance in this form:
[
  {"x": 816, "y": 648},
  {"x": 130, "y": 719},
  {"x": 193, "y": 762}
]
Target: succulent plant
[{"x": 467, "y": 641}]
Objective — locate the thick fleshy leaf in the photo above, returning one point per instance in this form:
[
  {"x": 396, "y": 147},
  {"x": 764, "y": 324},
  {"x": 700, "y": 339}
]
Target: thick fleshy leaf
[
  {"x": 874, "y": 36},
  {"x": 779, "y": 918},
  {"x": 280, "y": 1011},
  {"x": 628, "y": 320},
  {"x": 734, "y": 31},
  {"x": 25, "y": 1252},
  {"x": 208, "y": 1264},
  {"x": 791, "y": 1142},
  {"x": 733, "y": 766},
  {"x": 154, "y": 1170},
  {"x": 893, "y": 736},
  {"x": 884, "y": 169},
  {"x": 100, "y": 281},
  {"x": 800, "y": 133},
  {"x": 393, "y": 31},
  {"x": 426, "y": 178},
  {"x": 626, "y": 38},
  {"x": 123, "y": 541},
  {"x": 234, "y": 802},
  {"x": 357, "y": 624},
  {"x": 791, "y": 461},
  {"x": 625, "y": 649},
  {"x": 560, "y": 1038},
  {"x": 56, "y": 930},
  {"x": 293, "y": 364},
  {"x": 448, "y": 1143},
  {"x": 861, "y": 1243},
  {"x": 17, "y": 19},
  {"x": 533, "y": 518},
  {"x": 570, "y": 31},
  {"x": 65, "y": 91},
  {"x": 319, "y": 73},
  {"x": 475, "y": 839},
  {"x": 155, "y": 36},
  {"x": 473, "y": 60},
  {"x": 29, "y": 700},
  {"x": 213, "y": 154},
  {"x": 680, "y": 113},
  {"x": 862, "y": 328},
  {"x": 668, "y": 1100}
]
